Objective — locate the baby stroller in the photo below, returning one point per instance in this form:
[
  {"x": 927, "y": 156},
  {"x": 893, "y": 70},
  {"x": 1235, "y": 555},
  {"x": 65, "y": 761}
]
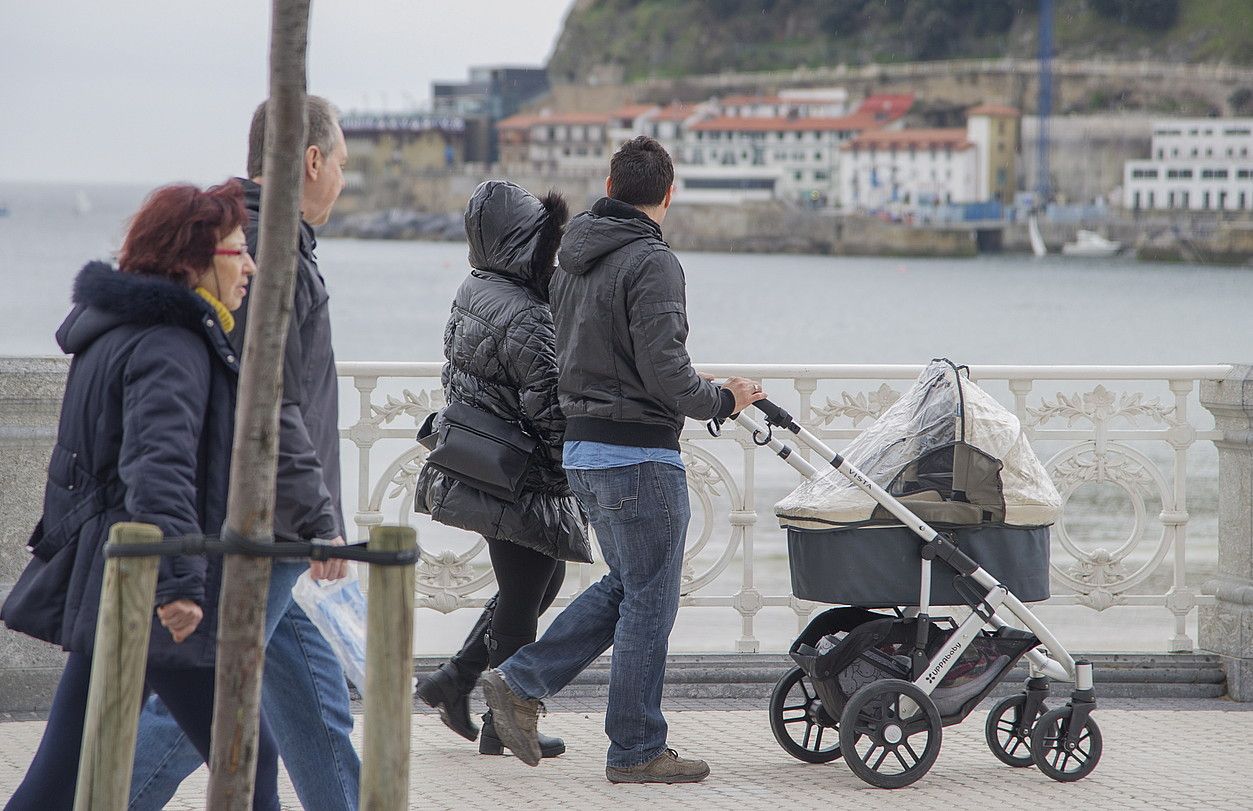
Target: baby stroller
[{"x": 878, "y": 688}]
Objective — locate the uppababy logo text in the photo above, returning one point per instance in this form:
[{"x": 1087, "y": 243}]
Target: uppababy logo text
[{"x": 952, "y": 651}]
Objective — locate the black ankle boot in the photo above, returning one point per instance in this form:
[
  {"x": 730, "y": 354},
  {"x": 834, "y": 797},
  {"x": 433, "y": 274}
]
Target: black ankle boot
[
  {"x": 447, "y": 692},
  {"x": 489, "y": 744}
]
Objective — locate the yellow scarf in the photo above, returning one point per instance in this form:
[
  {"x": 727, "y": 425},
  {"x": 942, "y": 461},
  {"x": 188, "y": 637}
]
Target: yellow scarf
[{"x": 224, "y": 315}]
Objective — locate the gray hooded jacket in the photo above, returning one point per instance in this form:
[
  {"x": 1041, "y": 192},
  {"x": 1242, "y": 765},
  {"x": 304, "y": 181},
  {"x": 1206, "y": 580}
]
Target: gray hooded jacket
[{"x": 620, "y": 310}]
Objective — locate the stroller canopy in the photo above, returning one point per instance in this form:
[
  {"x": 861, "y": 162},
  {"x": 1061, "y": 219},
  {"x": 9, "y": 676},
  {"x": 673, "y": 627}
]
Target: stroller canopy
[{"x": 948, "y": 451}]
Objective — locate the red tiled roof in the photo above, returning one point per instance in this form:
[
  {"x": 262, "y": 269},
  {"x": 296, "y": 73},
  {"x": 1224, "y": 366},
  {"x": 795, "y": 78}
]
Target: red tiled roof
[
  {"x": 999, "y": 110},
  {"x": 886, "y": 106},
  {"x": 903, "y": 139},
  {"x": 527, "y": 121},
  {"x": 746, "y": 124}
]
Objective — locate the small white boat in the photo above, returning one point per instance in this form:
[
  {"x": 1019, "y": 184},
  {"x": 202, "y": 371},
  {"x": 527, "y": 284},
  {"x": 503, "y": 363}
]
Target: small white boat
[
  {"x": 1037, "y": 241},
  {"x": 82, "y": 203},
  {"x": 1092, "y": 244}
]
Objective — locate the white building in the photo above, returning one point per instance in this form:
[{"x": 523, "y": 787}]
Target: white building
[
  {"x": 574, "y": 142},
  {"x": 1199, "y": 164},
  {"x": 907, "y": 168},
  {"x": 803, "y": 152}
]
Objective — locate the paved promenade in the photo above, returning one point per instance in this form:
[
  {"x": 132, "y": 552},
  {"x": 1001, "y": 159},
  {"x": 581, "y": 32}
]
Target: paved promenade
[{"x": 1158, "y": 754}]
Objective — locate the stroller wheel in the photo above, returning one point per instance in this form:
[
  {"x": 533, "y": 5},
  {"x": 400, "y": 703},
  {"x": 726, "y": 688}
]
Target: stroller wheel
[
  {"x": 1054, "y": 757},
  {"x": 1008, "y": 734},
  {"x": 890, "y": 733},
  {"x": 799, "y": 721}
]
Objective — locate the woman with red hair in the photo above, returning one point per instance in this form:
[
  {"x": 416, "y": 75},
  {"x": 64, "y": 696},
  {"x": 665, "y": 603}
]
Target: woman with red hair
[{"x": 145, "y": 435}]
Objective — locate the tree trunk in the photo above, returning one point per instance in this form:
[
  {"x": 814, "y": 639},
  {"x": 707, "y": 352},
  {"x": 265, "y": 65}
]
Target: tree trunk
[{"x": 250, "y": 509}]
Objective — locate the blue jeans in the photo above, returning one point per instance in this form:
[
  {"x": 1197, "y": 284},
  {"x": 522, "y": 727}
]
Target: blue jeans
[
  {"x": 304, "y": 698},
  {"x": 640, "y": 513}
]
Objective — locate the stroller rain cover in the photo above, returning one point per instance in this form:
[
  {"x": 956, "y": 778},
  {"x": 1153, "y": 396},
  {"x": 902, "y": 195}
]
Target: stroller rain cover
[{"x": 947, "y": 450}]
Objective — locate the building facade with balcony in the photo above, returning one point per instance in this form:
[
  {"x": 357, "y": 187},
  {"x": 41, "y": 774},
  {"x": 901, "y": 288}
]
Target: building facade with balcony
[{"x": 805, "y": 152}]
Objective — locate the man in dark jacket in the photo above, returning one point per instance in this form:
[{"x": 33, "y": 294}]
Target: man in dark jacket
[
  {"x": 304, "y": 692},
  {"x": 626, "y": 384}
]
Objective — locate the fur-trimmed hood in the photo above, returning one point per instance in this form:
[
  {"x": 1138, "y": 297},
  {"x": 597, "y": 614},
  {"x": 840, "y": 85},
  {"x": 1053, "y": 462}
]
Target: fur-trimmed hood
[
  {"x": 105, "y": 298},
  {"x": 513, "y": 233}
]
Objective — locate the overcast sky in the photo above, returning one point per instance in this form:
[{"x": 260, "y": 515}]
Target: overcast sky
[{"x": 151, "y": 91}]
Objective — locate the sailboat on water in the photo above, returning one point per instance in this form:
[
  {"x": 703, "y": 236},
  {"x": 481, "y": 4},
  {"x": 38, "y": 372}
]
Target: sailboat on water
[
  {"x": 82, "y": 203},
  {"x": 1033, "y": 232}
]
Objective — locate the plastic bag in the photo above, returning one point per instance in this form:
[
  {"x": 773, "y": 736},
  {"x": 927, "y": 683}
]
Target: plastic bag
[{"x": 337, "y": 609}]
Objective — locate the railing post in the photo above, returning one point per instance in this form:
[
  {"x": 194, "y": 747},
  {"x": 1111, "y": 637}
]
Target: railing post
[
  {"x": 388, "y": 675},
  {"x": 117, "y": 674},
  {"x": 1226, "y": 628}
]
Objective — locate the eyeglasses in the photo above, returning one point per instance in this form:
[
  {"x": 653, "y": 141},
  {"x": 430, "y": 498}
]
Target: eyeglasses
[{"x": 229, "y": 251}]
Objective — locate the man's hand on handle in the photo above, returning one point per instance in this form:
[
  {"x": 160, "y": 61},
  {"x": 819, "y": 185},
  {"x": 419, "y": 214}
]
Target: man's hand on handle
[
  {"x": 746, "y": 392},
  {"x": 334, "y": 569}
]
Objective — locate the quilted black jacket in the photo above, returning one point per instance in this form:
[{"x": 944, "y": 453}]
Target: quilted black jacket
[{"x": 499, "y": 346}]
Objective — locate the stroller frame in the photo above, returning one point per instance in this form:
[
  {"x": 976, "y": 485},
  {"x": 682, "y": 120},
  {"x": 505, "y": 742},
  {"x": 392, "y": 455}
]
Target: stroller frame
[{"x": 988, "y": 598}]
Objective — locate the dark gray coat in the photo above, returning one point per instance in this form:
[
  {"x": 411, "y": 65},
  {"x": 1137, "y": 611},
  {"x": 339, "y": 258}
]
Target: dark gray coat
[
  {"x": 501, "y": 359},
  {"x": 145, "y": 435},
  {"x": 620, "y": 309},
  {"x": 307, "y": 498}
]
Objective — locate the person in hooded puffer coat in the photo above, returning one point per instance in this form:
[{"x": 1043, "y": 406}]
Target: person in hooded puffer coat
[
  {"x": 501, "y": 359},
  {"x": 145, "y": 435}
]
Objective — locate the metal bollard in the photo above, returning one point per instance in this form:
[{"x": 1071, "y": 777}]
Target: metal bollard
[
  {"x": 388, "y": 675},
  {"x": 117, "y": 674}
]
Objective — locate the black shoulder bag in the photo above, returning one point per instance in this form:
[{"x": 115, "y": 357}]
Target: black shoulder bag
[{"x": 478, "y": 449}]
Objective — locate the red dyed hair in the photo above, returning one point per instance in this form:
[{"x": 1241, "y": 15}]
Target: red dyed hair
[{"x": 175, "y": 232}]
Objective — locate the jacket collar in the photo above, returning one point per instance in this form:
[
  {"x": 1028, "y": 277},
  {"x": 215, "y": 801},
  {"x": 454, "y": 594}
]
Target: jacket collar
[
  {"x": 105, "y": 298},
  {"x": 609, "y": 207}
]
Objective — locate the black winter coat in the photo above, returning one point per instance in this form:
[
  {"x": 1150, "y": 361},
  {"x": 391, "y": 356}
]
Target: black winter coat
[
  {"x": 307, "y": 496},
  {"x": 145, "y": 435},
  {"x": 501, "y": 359},
  {"x": 620, "y": 308}
]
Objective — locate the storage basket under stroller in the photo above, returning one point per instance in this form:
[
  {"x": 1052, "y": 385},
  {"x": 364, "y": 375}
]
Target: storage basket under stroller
[{"x": 863, "y": 647}]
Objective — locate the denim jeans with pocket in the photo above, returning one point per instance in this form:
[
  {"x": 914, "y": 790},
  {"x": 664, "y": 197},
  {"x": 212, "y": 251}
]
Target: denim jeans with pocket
[
  {"x": 640, "y": 513},
  {"x": 305, "y": 700}
]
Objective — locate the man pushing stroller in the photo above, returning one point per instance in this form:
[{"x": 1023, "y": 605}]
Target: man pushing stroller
[{"x": 626, "y": 385}]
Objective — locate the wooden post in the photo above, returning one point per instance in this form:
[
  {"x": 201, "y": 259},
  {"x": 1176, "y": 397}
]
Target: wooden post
[
  {"x": 117, "y": 674},
  {"x": 388, "y": 676},
  {"x": 250, "y": 505}
]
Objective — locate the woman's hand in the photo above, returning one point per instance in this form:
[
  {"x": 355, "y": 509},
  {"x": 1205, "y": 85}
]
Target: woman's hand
[{"x": 180, "y": 618}]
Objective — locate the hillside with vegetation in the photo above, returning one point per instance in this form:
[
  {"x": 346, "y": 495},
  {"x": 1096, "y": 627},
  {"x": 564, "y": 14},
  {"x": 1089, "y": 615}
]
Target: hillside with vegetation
[{"x": 670, "y": 38}]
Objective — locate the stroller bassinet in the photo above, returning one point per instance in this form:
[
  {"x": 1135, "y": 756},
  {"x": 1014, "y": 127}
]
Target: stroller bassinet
[{"x": 961, "y": 462}]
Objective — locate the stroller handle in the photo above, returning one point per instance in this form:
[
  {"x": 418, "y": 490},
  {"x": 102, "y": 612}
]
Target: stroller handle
[{"x": 776, "y": 416}]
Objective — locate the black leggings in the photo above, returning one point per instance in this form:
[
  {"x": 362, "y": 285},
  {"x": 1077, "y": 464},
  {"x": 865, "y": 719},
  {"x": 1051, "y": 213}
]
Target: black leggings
[
  {"x": 50, "y": 781},
  {"x": 528, "y": 582}
]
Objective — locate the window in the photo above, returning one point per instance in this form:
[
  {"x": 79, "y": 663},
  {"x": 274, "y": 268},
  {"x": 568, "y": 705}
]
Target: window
[
  {"x": 1205, "y": 201},
  {"x": 1214, "y": 174},
  {"x": 1184, "y": 196},
  {"x": 1243, "y": 173},
  {"x": 1178, "y": 174},
  {"x": 1136, "y": 201},
  {"x": 1144, "y": 174},
  {"x": 1151, "y": 203},
  {"x": 1241, "y": 206},
  {"x": 797, "y": 175},
  {"x": 1222, "y": 200},
  {"x": 1170, "y": 200}
]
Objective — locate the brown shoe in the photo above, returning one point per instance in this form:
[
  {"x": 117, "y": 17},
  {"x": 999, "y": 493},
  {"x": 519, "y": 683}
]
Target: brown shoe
[
  {"x": 515, "y": 718},
  {"x": 667, "y": 767}
]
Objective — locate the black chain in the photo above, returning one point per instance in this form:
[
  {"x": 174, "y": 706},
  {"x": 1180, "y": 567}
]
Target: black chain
[{"x": 232, "y": 544}]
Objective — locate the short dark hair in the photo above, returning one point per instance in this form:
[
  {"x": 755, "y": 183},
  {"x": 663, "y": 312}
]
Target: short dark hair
[
  {"x": 173, "y": 235},
  {"x": 323, "y": 123},
  {"x": 640, "y": 172}
]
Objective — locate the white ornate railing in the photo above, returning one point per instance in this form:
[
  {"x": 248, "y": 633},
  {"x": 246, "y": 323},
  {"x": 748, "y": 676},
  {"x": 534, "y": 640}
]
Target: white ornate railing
[{"x": 1124, "y": 427}]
